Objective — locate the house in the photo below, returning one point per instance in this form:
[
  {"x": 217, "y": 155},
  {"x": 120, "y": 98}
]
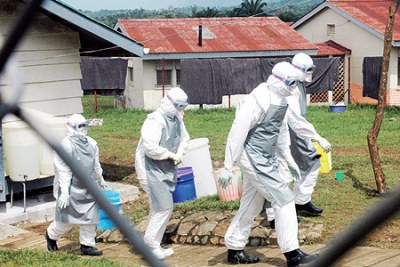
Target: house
[
  {"x": 168, "y": 41},
  {"x": 358, "y": 26},
  {"x": 48, "y": 59}
]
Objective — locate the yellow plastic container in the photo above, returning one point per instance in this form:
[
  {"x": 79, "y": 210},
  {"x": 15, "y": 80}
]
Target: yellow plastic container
[{"x": 325, "y": 159}]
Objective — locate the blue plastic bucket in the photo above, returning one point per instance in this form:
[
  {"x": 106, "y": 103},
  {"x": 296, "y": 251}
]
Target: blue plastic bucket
[
  {"x": 185, "y": 189},
  {"x": 115, "y": 199},
  {"x": 337, "y": 108}
]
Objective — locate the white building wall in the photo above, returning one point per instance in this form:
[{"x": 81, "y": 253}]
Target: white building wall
[
  {"x": 361, "y": 42},
  {"x": 48, "y": 61},
  {"x": 347, "y": 34}
]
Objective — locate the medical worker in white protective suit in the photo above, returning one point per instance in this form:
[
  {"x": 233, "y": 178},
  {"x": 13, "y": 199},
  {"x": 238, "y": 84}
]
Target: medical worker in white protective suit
[
  {"x": 75, "y": 205},
  {"x": 251, "y": 144},
  {"x": 163, "y": 143},
  {"x": 303, "y": 151}
]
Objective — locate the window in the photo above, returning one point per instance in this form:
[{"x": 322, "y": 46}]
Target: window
[
  {"x": 178, "y": 77},
  {"x": 398, "y": 71},
  {"x": 330, "y": 30},
  {"x": 167, "y": 77},
  {"x": 130, "y": 74}
]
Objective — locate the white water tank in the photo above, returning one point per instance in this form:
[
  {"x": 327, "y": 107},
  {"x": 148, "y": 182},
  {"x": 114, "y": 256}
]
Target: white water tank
[
  {"x": 21, "y": 147},
  {"x": 198, "y": 157},
  {"x": 57, "y": 127}
]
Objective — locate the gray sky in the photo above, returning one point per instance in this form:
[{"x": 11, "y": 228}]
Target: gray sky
[{"x": 94, "y": 5}]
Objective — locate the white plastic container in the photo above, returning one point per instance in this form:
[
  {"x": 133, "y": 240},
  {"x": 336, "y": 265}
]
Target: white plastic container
[
  {"x": 21, "y": 145},
  {"x": 198, "y": 157},
  {"x": 57, "y": 127}
]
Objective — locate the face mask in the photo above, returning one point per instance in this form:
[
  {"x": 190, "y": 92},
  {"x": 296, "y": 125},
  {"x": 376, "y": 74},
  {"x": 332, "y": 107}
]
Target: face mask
[
  {"x": 308, "y": 77},
  {"x": 290, "y": 85},
  {"x": 179, "y": 105}
]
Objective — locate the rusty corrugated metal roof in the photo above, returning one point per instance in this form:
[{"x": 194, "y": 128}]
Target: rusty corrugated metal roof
[
  {"x": 331, "y": 48},
  {"x": 180, "y": 35},
  {"x": 372, "y": 13}
]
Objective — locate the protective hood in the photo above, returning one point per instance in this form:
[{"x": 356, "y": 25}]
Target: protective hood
[
  {"x": 283, "y": 79},
  {"x": 304, "y": 66},
  {"x": 77, "y": 125},
  {"x": 174, "y": 102}
]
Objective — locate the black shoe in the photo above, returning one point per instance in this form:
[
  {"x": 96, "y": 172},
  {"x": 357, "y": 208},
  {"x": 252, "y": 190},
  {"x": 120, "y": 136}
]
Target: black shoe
[
  {"x": 51, "y": 244},
  {"x": 297, "y": 257},
  {"x": 90, "y": 251},
  {"x": 308, "y": 209},
  {"x": 240, "y": 256},
  {"x": 272, "y": 224}
]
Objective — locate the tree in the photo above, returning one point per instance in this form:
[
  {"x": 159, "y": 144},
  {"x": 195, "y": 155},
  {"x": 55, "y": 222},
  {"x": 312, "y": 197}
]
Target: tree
[
  {"x": 250, "y": 8},
  {"x": 207, "y": 13},
  {"x": 380, "y": 108}
]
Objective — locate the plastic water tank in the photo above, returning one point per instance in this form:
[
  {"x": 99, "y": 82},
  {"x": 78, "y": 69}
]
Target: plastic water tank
[
  {"x": 57, "y": 127},
  {"x": 21, "y": 146},
  {"x": 198, "y": 157}
]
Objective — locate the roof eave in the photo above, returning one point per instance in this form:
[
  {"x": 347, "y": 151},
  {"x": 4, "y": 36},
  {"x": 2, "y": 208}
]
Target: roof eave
[
  {"x": 272, "y": 53},
  {"x": 75, "y": 18}
]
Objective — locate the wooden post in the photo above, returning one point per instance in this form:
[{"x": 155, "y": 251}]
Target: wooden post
[
  {"x": 95, "y": 101},
  {"x": 162, "y": 77}
]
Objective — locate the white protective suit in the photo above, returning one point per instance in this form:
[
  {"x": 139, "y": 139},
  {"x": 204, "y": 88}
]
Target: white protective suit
[
  {"x": 251, "y": 144},
  {"x": 74, "y": 204},
  {"x": 303, "y": 152},
  {"x": 164, "y": 140}
]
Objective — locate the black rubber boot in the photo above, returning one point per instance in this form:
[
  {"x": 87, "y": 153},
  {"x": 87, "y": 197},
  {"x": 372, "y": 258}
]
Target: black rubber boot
[
  {"x": 51, "y": 244},
  {"x": 241, "y": 257},
  {"x": 297, "y": 258},
  {"x": 272, "y": 224},
  {"x": 308, "y": 209},
  {"x": 90, "y": 251}
]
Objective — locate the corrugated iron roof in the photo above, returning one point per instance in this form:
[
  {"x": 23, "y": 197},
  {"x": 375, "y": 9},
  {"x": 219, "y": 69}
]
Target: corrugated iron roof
[
  {"x": 331, "y": 48},
  {"x": 180, "y": 35},
  {"x": 373, "y": 13}
]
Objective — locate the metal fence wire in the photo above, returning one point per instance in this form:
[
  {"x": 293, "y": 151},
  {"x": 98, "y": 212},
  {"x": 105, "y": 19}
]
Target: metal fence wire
[{"x": 344, "y": 242}]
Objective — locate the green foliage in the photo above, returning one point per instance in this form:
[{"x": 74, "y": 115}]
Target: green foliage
[
  {"x": 207, "y": 203},
  {"x": 207, "y": 13},
  {"x": 36, "y": 258},
  {"x": 250, "y": 8},
  {"x": 287, "y": 10}
]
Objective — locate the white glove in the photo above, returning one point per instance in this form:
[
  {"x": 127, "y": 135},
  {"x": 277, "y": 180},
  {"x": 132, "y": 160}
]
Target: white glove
[
  {"x": 180, "y": 153},
  {"x": 225, "y": 177},
  {"x": 102, "y": 183},
  {"x": 175, "y": 157},
  {"x": 63, "y": 199},
  {"x": 325, "y": 145},
  {"x": 294, "y": 169}
]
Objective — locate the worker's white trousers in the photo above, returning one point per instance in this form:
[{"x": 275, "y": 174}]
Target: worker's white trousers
[
  {"x": 305, "y": 187},
  {"x": 87, "y": 232},
  {"x": 251, "y": 204},
  {"x": 156, "y": 227},
  {"x": 302, "y": 189}
]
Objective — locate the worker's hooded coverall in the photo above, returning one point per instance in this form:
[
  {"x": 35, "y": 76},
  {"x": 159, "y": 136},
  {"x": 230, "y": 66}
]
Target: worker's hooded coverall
[
  {"x": 82, "y": 209},
  {"x": 252, "y": 143},
  {"x": 162, "y": 133}
]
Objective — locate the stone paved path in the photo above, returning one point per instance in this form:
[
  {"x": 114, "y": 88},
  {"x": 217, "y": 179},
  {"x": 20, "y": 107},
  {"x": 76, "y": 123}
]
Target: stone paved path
[{"x": 190, "y": 255}]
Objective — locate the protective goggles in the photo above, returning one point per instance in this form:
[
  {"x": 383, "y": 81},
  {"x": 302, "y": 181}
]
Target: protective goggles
[
  {"x": 291, "y": 82},
  {"x": 306, "y": 69},
  {"x": 83, "y": 125},
  {"x": 180, "y": 105}
]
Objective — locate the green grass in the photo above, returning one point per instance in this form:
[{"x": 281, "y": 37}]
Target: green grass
[
  {"x": 36, "y": 258},
  {"x": 343, "y": 201}
]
